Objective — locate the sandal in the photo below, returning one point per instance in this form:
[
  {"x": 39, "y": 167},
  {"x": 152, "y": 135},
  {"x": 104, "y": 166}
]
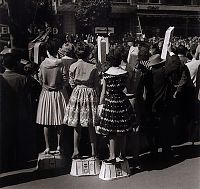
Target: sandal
[
  {"x": 47, "y": 151},
  {"x": 58, "y": 150},
  {"x": 110, "y": 161},
  {"x": 76, "y": 156},
  {"x": 120, "y": 159}
]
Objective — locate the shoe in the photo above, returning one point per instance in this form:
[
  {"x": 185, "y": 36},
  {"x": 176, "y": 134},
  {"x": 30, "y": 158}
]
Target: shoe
[
  {"x": 76, "y": 156},
  {"x": 58, "y": 150},
  {"x": 120, "y": 159},
  {"x": 110, "y": 161},
  {"x": 94, "y": 156},
  {"x": 47, "y": 151}
]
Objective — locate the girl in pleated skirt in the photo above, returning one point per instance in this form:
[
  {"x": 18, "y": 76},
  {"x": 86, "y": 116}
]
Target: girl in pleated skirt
[{"x": 53, "y": 98}]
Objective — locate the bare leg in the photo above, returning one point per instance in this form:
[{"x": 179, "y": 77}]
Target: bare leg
[
  {"x": 77, "y": 136},
  {"x": 59, "y": 135},
  {"x": 46, "y": 136},
  {"x": 93, "y": 140},
  {"x": 122, "y": 146},
  {"x": 112, "y": 148}
]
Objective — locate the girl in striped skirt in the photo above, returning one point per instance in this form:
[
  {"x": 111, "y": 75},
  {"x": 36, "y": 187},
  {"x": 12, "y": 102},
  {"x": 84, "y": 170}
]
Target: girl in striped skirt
[{"x": 53, "y": 98}]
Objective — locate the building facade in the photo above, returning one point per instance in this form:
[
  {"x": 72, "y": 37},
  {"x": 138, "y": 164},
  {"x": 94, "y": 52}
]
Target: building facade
[
  {"x": 157, "y": 15},
  {"x": 153, "y": 16}
]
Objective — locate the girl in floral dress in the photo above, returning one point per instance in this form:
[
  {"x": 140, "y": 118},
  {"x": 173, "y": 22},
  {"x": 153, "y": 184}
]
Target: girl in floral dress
[{"x": 83, "y": 103}]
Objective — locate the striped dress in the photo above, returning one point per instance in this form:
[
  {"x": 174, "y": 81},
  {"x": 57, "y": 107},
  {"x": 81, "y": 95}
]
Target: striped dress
[
  {"x": 117, "y": 112},
  {"x": 53, "y": 98}
]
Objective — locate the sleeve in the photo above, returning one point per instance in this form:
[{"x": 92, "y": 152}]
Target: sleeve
[
  {"x": 129, "y": 55},
  {"x": 40, "y": 76},
  {"x": 172, "y": 63},
  {"x": 64, "y": 75},
  {"x": 72, "y": 78},
  {"x": 103, "y": 91},
  {"x": 96, "y": 81},
  {"x": 26, "y": 86},
  {"x": 129, "y": 79},
  {"x": 183, "y": 80},
  {"x": 197, "y": 54},
  {"x": 197, "y": 92}
]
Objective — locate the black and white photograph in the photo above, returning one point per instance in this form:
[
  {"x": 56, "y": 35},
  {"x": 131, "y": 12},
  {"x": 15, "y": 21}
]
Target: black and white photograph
[{"x": 100, "y": 94}]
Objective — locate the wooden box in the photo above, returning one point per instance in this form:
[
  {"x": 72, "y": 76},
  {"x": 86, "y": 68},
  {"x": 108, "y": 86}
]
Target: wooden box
[
  {"x": 111, "y": 171},
  {"x": 51, "y": 161},
  {"x": 85, "y": 167}
]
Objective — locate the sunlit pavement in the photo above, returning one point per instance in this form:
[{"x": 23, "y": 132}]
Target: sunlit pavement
[{"x": 182, "y": 171}]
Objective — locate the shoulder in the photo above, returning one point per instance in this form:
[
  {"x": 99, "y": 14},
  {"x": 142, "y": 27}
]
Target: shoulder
[
  {"x": 14, "y": 75},
  {"x": 116, "y": 71},
  {"x": 22, "y": 78},
  {"x": 73, "y": 66}
]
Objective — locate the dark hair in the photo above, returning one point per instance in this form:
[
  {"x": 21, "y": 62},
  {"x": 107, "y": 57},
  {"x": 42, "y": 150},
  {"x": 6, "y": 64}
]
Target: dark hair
[
  {"x": 143, "y": 53},
  {"x": 115, "y": 56},
  {"x": 124, "y": 54},
  {"x": 130, "y": 39},
  {"x": 52, "y": 46},
  {"x": 174, "y": 49},
  {"x": 155, "y": 48},
  {"x": 66, "y": 50},
  {"x": 31, "y": 68},
  {"x": 10, "y": 61},
  {"x": 181, "y": 50},
  {"x": 82, "y": 50},
  {"x": 193, "y": 49}
]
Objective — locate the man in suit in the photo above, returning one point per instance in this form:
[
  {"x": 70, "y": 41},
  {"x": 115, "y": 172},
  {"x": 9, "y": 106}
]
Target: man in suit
[
  {"x": 14, "y": 113},
  {"x": 183, "y": 93}
]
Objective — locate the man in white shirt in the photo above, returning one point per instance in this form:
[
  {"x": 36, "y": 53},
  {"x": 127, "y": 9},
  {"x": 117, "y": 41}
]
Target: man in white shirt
[
  {"x": 133, "y": 53},
  {"x": 197, "y": 54},
  {"x": 193, "y": 64}
]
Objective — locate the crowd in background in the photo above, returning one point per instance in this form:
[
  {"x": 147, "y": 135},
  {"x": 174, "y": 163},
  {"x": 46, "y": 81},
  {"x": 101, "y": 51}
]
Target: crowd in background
[{"x": 134, "y": 90}]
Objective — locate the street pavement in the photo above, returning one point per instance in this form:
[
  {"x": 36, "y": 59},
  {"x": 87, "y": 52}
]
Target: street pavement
[{"x": 182, "y": 171}]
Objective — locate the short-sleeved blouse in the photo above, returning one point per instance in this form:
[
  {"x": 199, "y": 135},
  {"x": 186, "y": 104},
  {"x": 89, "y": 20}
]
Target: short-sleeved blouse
[{"x": 83, "y": 73}]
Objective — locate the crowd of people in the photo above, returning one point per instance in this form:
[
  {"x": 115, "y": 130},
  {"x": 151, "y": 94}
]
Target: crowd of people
[{"x": 134, "y": 90}]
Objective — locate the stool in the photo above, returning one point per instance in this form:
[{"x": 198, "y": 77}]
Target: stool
[
  {"x": 85, "y": 167},
  {"x": 52, "y": 160},
  {"x": 111, "y": 171}
]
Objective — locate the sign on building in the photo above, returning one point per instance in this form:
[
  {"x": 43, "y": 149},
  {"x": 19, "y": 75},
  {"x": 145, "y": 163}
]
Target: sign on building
[
  {"x": 4, "y": 29},
  {"x": 104, "y": 30}
]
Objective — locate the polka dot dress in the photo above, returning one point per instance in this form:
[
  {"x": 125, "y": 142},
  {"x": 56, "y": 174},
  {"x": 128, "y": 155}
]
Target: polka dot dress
[{"x": 117, "y": 112}]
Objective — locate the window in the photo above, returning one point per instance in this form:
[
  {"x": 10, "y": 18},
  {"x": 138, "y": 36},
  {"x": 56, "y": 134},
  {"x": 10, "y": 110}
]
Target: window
[
  {"x": 195, "y": 2},
  {"x": 4, "y": 30},
  {"x": 120, "y": 1},
  {"x": 150, "y": 1},
  {"x": 154, "y": 1},
  {"x": 142, "y": 1}
]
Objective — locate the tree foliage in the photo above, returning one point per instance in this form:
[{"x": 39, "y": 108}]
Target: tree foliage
[
  {"x": 25, "y": 13},
  {"x": 41, "y": 11},
  {"x": 93, "y": 12}
]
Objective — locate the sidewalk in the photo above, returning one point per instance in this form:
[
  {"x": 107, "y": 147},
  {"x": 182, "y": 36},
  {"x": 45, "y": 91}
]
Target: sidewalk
[{"x": 180, "y": 172}]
